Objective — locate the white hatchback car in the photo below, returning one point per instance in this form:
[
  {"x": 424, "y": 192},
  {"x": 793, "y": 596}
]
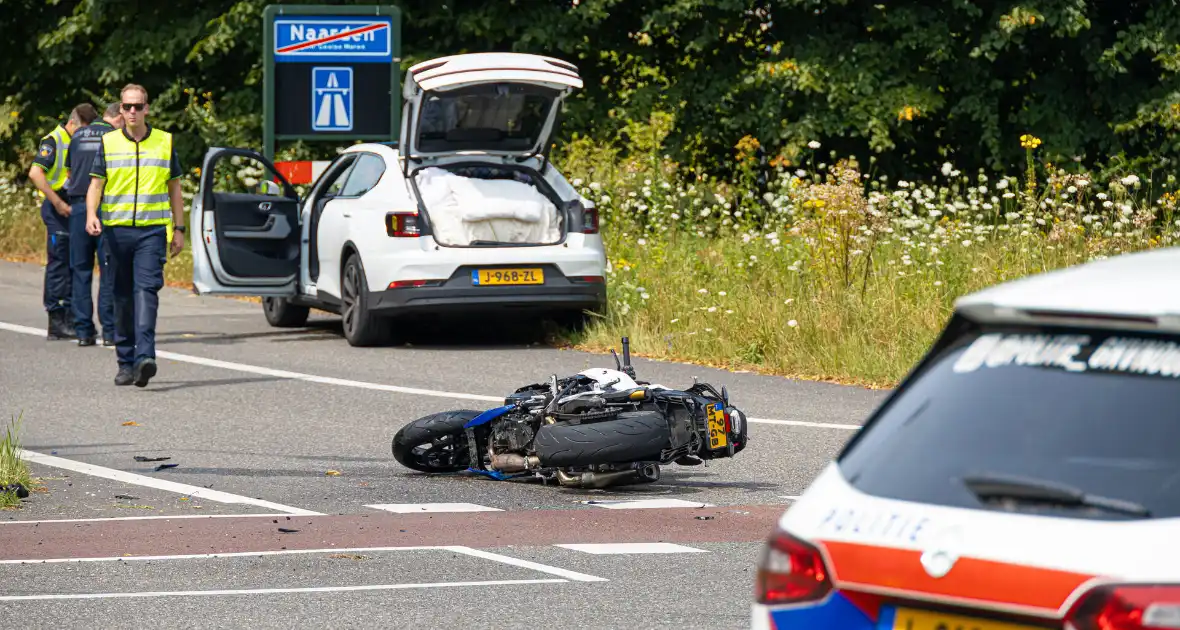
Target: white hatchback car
[
  {"x": 465, "y": 212},
  {"x": 1025, "y": 475}
]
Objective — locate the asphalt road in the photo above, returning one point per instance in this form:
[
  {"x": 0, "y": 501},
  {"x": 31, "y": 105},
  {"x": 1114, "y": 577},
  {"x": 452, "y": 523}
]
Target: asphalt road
[{"x": 291, "y": 429}]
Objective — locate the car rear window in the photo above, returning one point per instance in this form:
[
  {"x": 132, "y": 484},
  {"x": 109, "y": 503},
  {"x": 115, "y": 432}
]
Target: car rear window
[{"x": 1087, "y": 408}]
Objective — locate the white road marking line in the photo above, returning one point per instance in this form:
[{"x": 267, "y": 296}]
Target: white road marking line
[
  {"x": 271, "y": 591},
  {"x": 229, "y": 554},
  {"x": 628, "y": 548},
  {"x": 526, "y": 564},
  {"x": 327, "y": 380},
  {"x": 467, "y": 551},
  {"x": 159, "y": 484},
  {"x": 415, "y": 508},
  {"x": 641, "y": 504},
  {"x": 139, "y": 518}
]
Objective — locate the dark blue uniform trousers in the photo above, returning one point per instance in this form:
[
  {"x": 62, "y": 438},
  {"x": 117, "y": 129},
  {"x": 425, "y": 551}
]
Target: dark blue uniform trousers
[
  {"x": 136, "y": 260},
  {"x": 84, "y": 248},
  {"x": 56, "y": 291}
]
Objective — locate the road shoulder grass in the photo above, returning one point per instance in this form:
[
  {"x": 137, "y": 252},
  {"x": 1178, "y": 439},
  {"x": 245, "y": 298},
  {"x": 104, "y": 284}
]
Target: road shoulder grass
[{"x": 13, "y": 470}]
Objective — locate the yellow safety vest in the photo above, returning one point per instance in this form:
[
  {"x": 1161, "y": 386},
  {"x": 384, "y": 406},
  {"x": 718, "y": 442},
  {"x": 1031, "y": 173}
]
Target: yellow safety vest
[
  {"x": 136, "y": 190},
  {"x": 59, "y": 173}
]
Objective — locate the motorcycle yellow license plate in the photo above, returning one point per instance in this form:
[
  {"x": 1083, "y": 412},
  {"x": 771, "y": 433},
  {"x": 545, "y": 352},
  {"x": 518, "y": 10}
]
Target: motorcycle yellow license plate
[
  {"x": 909, "y": 619},
  {"x": 718, "y": 438},
  {"x": 493, "y": 277}
]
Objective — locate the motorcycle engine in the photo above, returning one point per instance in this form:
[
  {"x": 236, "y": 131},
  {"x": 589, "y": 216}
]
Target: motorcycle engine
[{"x": 511, "y": 437}]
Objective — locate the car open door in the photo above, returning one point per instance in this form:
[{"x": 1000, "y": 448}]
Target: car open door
[{"x": 245, "y": 227}]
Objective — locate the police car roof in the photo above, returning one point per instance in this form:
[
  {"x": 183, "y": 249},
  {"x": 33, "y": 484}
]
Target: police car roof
[{"x": 1137, "y": 290}]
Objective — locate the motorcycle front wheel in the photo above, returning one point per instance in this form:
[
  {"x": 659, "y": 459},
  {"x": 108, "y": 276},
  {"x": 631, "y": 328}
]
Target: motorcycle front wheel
[{"x": 434, "y": 444}]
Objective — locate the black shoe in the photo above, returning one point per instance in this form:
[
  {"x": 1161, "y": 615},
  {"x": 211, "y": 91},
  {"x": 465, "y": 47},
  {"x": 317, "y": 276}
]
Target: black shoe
[
  {"x": 125, "y": 375},
  {"x": 86, "y": 341},
  {"x": 144, "y": 371},
  {"x": 108, "y": 341},
  {"x": 59, "y": 326}
]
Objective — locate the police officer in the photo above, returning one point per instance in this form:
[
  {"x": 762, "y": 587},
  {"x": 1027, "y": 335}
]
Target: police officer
[
  {"x": 136, "y": 183},
  {"x": 84, "y": 248},
  {"x": 48, "y": 173}
]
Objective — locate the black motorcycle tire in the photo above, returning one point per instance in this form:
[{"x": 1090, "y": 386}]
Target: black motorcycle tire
[
  {"x": 633, "y": 436},
  {"x": 446, "y": 427}
]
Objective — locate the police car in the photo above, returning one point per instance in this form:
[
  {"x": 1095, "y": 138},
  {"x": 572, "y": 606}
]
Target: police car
[
  {"x": 465, "y": 212},
  {"x": 1025, "y": 475}
]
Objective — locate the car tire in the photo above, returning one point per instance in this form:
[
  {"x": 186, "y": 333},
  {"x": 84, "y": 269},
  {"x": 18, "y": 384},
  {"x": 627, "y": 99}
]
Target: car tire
[
  {"x": 361, "y": 327},
  {"x": 281, "y": 313}
]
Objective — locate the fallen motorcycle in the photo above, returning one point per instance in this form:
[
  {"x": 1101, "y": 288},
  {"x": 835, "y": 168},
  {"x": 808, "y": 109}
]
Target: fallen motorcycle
[{"x": 598, "y": 428}]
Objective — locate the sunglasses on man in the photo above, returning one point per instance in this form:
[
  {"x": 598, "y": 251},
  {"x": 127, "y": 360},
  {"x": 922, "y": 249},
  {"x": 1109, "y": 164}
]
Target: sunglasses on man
[{"x": 139, "y": 107}]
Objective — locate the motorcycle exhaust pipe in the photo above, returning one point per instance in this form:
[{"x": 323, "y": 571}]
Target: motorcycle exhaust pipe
[
  {"x": 511, "y": 462},
  {"x": 604, "y": 479}
]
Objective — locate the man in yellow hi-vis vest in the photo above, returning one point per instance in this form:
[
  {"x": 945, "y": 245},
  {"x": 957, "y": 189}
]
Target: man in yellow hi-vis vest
[
  {"x": 48, "y": 173},
  {"x": 133, "y": 196}
]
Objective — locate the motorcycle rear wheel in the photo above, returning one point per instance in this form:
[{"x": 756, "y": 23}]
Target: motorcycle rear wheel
[
  {"x": 434, "y": 443},
  {"x": 634, "y": 436}
]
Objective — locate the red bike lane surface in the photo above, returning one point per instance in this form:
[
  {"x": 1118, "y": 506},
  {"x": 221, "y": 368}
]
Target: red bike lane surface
[{"x": 129, "y": 538}]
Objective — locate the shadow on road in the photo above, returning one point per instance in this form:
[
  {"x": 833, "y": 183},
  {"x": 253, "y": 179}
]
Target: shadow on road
[
  {"x": 168, "y": 386},
  {"x": 455, "y": 332}
]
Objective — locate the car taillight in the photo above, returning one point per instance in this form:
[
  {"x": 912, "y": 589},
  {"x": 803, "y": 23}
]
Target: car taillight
[
  {"x": 590, "y": 220},
  {"x": 402, "y": 224},
  {"x": 790, "y": 571},
  {"x": 1128, "y": 607},
  {"x": 404, "y": 284}
]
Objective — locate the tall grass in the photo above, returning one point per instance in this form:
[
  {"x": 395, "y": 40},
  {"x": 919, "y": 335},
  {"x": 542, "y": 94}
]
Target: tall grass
[
  {"x": 12, "y": 468},
  {"x": 813, "y": 267}
]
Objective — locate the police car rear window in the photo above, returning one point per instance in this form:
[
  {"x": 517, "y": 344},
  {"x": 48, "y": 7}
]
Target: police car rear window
[{"x": 1083, "y": 409}]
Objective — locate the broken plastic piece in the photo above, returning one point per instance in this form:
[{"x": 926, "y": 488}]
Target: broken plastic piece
[
  {"x": 163, "y": 466},
  {"x": 141, "y": 458}
]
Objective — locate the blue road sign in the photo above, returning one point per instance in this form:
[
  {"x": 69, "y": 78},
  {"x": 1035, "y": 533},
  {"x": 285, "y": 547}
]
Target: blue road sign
[
  {"x": 331, "y": 99},
  {"x": 333, "y": 39}
]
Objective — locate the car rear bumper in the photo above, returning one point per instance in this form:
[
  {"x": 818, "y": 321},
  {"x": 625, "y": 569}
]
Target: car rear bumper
[{"x": 459, "y": 293}]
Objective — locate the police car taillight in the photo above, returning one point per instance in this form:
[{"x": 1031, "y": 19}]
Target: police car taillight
[
  {"x": 1128, "y": 607},
  {"x": 790, "y": 571}
]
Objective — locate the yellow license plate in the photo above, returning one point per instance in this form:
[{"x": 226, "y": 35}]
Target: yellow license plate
[
  {"x": 718, "y": 438},
  {"x": 909, "y": 619},
  {"x": 484, "y": 277}
]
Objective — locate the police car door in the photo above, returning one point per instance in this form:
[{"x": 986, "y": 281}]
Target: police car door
[{"x": 245, "y": 230}]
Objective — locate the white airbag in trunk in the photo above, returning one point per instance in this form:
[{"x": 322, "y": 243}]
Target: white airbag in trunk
[{"x": 466, "y": 209}]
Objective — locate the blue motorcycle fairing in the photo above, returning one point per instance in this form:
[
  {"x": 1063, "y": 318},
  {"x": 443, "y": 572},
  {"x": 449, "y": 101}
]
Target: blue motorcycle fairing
[{"x": 488, "y": 416}]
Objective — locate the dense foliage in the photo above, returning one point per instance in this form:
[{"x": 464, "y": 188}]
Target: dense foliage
[{"x": 905, "y": 85}]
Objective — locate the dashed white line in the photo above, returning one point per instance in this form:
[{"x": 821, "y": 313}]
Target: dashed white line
[
  {"x": 415, "y": 508},
  {"x": 328, "y": 380},
  {"x": 641, "y": 504},
  {"x": 630, "y": 548},
  {"x": 159, "y": 484},
  {"x": 272, "y": 591}
]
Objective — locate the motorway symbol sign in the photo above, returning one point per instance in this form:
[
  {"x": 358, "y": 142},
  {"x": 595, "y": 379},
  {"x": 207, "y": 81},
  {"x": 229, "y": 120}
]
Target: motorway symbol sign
[
  {"x": 333, "y": 39},
  {"x": 332, "y": 96}
]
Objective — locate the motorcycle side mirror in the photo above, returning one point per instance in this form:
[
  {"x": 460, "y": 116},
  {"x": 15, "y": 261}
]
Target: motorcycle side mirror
[{"x": 724, "y": 395}]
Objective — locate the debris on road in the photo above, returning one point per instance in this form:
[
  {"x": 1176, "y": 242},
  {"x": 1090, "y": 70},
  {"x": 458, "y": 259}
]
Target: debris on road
[
  {"x": 126, "y": 496},
  {"x": 141, "y": 458},
  {"x": 333, "y": 473},
  {"x": 347, "y": 556},
  {"x": 163, "y": 466},
  {"x": 131, "y": 423},
  {"x": 18, "y": 489},
  {"x": 286, "y": 530}
]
